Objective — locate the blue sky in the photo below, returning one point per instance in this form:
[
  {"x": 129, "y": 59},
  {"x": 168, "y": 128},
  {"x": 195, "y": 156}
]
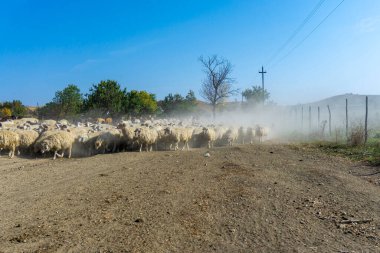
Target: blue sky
[{"x": 154, "y": 46}]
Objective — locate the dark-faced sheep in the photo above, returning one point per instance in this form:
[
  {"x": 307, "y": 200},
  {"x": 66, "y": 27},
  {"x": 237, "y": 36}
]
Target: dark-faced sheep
[{"x": 145, "y": 137}]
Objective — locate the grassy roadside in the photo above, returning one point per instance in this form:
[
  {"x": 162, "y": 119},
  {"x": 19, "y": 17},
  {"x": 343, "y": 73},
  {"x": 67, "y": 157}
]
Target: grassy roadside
[{"x": 369, "y": 153}]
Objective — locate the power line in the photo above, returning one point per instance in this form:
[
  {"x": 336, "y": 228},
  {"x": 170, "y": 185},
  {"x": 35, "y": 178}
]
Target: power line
[
  {"x": 307, "y": 36},
  {"x": 296, "y": 31}
]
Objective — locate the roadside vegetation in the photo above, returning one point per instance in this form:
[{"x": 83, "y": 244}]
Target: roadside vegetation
[{"x": 354, "y": 147}]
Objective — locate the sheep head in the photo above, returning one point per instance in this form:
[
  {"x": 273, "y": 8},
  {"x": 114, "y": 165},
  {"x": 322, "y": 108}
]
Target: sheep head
[
  {"x": 137, "y": 132},
  {"x": 44, "y": 147},
  {"x": 167, "y": 131},
  {"x": 98, "y": 143}
]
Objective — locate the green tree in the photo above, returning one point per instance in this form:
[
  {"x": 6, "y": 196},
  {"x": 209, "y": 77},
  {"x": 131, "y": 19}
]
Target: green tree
[
  {"x": 171, "y": 103},
  {"x": 49, "y": 111},
  {"x": 106, "y": 97},
  {"x": 256, "y": 95},
  {"x": 176, "y": 104},
  {"x": 16, "y": 107},
  {"x": 69, "y": 101},
  {"x": 5, "y": 112},
  {"x": 140, "y": 103},
  {"x": 190, "y": 97}
]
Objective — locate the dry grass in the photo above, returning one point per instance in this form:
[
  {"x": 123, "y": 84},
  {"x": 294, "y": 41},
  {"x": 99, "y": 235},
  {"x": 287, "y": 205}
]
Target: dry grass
[{"x": 356, "y": 136}]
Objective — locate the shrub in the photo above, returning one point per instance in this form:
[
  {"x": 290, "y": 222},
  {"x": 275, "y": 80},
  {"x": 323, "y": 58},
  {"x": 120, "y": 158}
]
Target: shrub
[{"x": 356, "y": 136}]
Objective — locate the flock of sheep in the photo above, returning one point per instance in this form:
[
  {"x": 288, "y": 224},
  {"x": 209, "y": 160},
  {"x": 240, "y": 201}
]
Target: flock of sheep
[{"x": 31, "y": 136}]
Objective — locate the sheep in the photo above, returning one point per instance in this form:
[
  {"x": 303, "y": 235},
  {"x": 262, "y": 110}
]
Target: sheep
[
  {"x": 219, "y": 135},
  {"x": 86, "y": 143},
  {"x": 7, "y": 124},
  {"x": 250, "y": 134},
  {"x": 9, "y": 140},
  {"x": 23, "y": 121},
  {"x": 100, "y": 121},
  {"x": 56, "y": 141},
  {"x": 108, "y": 120},
  {"x": 208, "y": 136},
  {"x": 63, "y": 122},
  {"x": 27, "y": 138},
  {"x": 241, "y": 135},
  {"x": 175, "y": 135},
  {"x": 171, "y": 136},
  {"x": 260, "y": 132},
  {"x": 196, "y": 137},
  {"x": 185, "y": 136},
  {"x": 49, "y": 122},
  {"x": 106, "y": 139},
  {"x": 128, "y": 132},
  {"x": 146, "y": 137},
  {"x": 230, "y": 136}
]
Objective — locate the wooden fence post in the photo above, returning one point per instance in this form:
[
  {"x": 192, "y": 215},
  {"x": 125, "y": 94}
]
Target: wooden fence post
[
  {"x": 346, "y": 117},
  {"x": 309, "y": 119},
  {"x": 328, "y": 107},
  {"x": 319, "y": 118},
  {"x": 366, "y": 121}
]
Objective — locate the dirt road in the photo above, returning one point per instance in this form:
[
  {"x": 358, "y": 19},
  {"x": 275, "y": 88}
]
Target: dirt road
[{"x": 260, "y": 198}]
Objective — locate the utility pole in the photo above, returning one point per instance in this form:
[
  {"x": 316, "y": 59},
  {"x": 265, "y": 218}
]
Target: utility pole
[{"x": 262, "y": 72}]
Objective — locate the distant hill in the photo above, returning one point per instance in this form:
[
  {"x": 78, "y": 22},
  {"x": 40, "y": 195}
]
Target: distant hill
[
  {"x": 354, "y": 100},
  {"x": 337, "y": 104}
]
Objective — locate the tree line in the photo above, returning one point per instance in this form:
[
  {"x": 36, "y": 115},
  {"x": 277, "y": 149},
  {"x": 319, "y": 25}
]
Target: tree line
[{"x": 107, "y": 98}]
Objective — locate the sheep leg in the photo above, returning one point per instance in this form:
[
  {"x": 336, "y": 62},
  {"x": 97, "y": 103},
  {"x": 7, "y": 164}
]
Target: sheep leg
[
  {"x": 12, "y": 152},
  {"x": 151, "y": 148},
  {"x": 187, "y": 146},
  {"x": 140, "y": 147},
  {"x": 59, "y": 155},
  {"x": 70, "y": 152}
]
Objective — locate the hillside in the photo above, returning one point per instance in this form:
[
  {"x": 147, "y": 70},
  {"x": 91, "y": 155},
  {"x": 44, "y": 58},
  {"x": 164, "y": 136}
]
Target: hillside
[{"x": 354, "y": 100}]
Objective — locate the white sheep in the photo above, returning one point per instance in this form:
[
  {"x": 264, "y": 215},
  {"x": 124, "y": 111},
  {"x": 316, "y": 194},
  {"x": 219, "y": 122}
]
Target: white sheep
[
  {"x": 145, "y": 136},
  {"x": 185, "y": 136},
  {"x": 9, "y": 140},
  {"x": 219, "y": 135},
  {"x": 49, "y": 122},
  {"x": 230, "y": 136},
  {"x": 55, "y": 141},
  {"x": 261, "y": 132},
  {"x": 241, "y": 135},
  {"x": 250, "y": 134},
  {"x": 171, "y": 136},
  {"x": 128, "y": 133},
  {"x": 27, "y": 138}
]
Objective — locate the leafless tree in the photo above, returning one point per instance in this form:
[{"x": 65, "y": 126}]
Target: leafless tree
[{"x": 217, "y": 85}]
